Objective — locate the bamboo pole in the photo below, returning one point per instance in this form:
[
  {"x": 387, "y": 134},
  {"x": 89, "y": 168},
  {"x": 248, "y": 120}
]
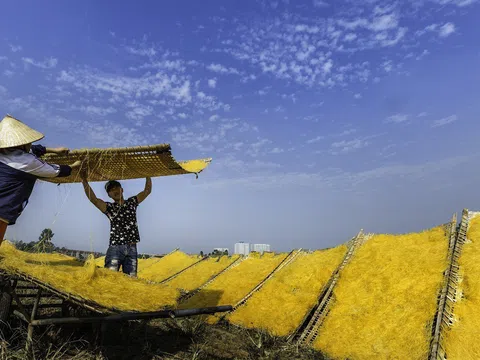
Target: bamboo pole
[{"x": 133, "y": 316}]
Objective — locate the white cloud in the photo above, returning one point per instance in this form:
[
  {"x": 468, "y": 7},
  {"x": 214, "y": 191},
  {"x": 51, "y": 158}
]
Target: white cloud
[
  {"x": 183, "y": 92},
  {"x": 15, "y": 48},
  {"x": 357, "y": 96},
  {"x": 350, "y": 37},
  {"x": 8, "y": 73},
  {"x": 445, "y": 121},
  {"x": 218, "y": 135},
  {"x": 218, "y": 68},
  {"x": 423, "y": 54},
  {"x": 277, "y": 151},
  {"x": 397, "y": 118},
  {"x": 447, "y": 29},
  {"x": 422, "y": 114},
  {"x": 3, "y": 90},
  {"x": 387, "y": 65},
  {"x": 3, "y": 58},
  {"x": 384, "y": 22},
  {"x": 459, "y": 3},
  {"x": 167, "y": 89},
  {"x": 342, "y": 147},
  {"x": 320, "y": 3},
  {"x": 141, "y": 51},
  {"x": 315, "y": 139},
  {"x": 212, "y": 83},
  {"x": 340, "y": 180},
  {"x": 45, "y": 64},
  {"x": 138, "y": 111},
  {"x": 256, "y": 147},
  {"x": 98, "y": 111},
  {"x": 443, "y": 31},
  {"x": 327, "y": 67}
]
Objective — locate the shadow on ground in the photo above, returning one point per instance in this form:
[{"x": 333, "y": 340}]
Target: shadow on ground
[{"x": 169, "y": 339}]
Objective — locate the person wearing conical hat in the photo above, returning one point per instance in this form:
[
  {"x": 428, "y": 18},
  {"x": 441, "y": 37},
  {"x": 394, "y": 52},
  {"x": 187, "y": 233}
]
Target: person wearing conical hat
[{"x": 21, "y": 166}]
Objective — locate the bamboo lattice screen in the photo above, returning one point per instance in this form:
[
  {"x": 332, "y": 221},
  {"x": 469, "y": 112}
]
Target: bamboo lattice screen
[{"x": 125, "y": 163}]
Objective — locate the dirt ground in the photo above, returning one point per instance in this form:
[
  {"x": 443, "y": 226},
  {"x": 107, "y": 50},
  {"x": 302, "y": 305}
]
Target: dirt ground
[{"x": 172, "y": 339}]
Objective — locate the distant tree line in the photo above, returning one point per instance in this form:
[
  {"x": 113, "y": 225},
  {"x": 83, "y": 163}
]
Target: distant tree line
[
  {"x": 215, "y": 253},
  {"x": 44, "y": 244}
]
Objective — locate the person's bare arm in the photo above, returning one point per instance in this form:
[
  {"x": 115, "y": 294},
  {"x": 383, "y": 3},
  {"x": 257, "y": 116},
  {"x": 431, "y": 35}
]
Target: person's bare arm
[
  {"x": 58, "y": 150},
  {"x": 148, "y": 189},
  {"x": 99, "y": 203}
]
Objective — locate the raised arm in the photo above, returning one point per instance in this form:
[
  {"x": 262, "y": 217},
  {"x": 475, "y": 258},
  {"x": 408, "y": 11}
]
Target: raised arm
[
  {"x": 100, "y": 204},
  {"x": 58, "y": 150},
  {"x": 148, "y": 189}
]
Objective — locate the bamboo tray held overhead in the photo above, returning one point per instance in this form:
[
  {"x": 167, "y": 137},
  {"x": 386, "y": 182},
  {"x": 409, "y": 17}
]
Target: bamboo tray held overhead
[{"x": 125, "y": 163}]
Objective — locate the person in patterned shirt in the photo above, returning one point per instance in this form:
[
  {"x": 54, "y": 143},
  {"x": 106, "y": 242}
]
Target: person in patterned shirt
[{"x": 124, "y": 235}]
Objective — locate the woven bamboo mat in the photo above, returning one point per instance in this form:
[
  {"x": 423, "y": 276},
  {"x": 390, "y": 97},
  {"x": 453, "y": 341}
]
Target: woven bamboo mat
[{"x": 125, "y": 163}]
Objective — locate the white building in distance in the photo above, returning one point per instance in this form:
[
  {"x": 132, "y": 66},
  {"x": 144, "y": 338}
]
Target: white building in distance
[
  {"x": 242, "y": 248},
  {"x": 260, "y": 248},
  {"x": 246, "y": 248}
]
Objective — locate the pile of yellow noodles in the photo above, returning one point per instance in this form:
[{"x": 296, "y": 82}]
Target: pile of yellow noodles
[
  {"x": 234, "y": 284},
  {"x": 158, "y": 270},
  {"x": 286, "y": 298},
  {"x": 199, "y": 274},
  {"x": 109, "y": 289},
  {"x": 385, "y": 300}
]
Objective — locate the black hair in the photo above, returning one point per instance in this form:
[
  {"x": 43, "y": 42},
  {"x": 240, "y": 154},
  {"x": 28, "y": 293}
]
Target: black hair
[{"x": 112, "y": 184}]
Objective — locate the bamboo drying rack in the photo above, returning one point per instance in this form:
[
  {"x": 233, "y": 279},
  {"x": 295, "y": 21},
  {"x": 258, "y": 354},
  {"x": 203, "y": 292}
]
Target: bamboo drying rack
[
  {"x": 125, "y": 163},
  {"x": 15, "y": 283}
]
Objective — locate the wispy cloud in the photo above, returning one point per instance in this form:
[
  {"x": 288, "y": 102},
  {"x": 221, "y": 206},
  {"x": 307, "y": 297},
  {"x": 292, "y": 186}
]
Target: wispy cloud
[
  {"x": 447, "y": 29},
  {"x": 160, "y": 89},
  {"x": 15, "y": 48},
  {"x": 344, "y": 146},
  {"x": 340, "y": 180},
  {"x": 222, "y": 69},
  {"x": 45, "y": 64},
  {"x": 443, "y": 31},
  {"x": 397, "y": 118},
  {"x": 320, "y": 3},
  {"x": 98, "y": 111},
  {"x": 277, "y": 150},
  {"x": 218, "y": 135},
  {"x": 315, "y": 139},
  {"x": 445, "y": 121},
  {"x": 212, "y": 83}
]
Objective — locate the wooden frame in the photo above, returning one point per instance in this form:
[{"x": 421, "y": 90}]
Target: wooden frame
[{"x": 100, "y": 315}]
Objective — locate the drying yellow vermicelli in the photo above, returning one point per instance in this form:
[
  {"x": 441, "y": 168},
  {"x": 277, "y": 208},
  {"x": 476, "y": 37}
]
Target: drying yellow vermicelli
[
  {"x": 108, "y": 288},
  {"x": 286, "y": 298},
  {"x": 462, "y": 339},
  {"x": 100, "y": 261},
  {"x": 199, "y": 274},
  {"x": 167, "y": 266},
  {"x": 385, "y": 300},
  {"x": 231, "y": 286}
]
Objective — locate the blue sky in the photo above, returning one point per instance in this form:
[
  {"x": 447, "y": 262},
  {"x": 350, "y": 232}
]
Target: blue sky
[{"x": 321, "y": 117}]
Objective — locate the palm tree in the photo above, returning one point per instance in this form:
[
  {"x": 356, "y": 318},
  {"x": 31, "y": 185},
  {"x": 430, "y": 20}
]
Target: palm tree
[{"x": 45, "y": 241}]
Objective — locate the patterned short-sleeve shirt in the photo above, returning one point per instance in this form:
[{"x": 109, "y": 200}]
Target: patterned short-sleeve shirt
[{"x": 123, "y": 222}]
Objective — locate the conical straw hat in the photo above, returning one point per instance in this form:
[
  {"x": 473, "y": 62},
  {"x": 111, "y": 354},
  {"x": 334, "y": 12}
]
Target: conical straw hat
[{"x": 15, "y": 133}]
